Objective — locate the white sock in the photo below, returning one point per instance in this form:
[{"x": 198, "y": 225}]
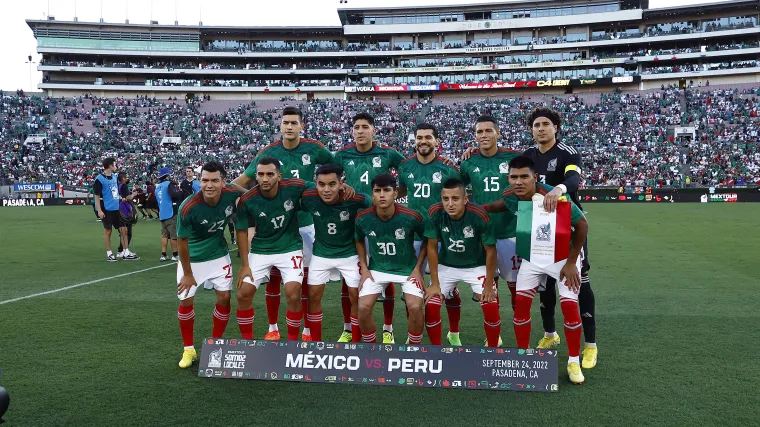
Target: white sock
[
  {"x": 550, "y": 334},
  {"x": 347, "y": 326},
  {"x": 306, "y": 331},
  {"x": 189, "y": 347},
  {"x": 388, "y": 328},
  {"x": 109, "y": 253},
  {"x": 572, "y": 359},
  {"x": 127, "y": 252},
  {"x": 273, "y": 328},
  {"x": 590, "y": 344}
]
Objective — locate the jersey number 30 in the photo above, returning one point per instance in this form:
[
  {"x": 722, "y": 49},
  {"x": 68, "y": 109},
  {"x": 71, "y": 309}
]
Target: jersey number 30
[{"x": 387, "y": 248}]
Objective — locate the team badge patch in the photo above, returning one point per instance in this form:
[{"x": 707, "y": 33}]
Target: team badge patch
[
  {"x": 344, "y": 216},
  {"x": 228, "y": 211},
  {"x": 543, "y": 232},
  {"x": 552, "y": 165},
  {"x": 377, "y": 162},
  {"x": 437, "y": 177},
  {"x": 215, "y": 359},
  {"x": 468, "y": 232},
  {"x": 306, "y": 159},
  {"x": 504, "y": 168},
  {"x": 288, "y": 205},
  {"x": 400, "y": 234}
]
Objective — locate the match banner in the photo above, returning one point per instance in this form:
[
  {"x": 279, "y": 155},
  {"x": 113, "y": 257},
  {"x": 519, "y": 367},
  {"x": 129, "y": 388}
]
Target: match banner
[
  {"x": 475, "y": 368},
  {"x": 543, "y": 238}
]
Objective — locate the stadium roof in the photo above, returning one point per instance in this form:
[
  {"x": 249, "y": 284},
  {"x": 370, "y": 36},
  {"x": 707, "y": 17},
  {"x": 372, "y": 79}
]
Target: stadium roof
[
  {"x": 714, "y": 6},
  {"x": 644, "y": 4},
  {"x": 32, "y": 23}
]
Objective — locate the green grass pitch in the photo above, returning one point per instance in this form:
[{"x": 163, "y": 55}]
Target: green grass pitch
[{"x": 676, "y": 290}]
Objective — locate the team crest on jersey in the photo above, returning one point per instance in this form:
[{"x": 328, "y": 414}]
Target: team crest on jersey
[
  {"x": 344, "y": 216},
  {"x": 228, "y": 211},
  {"x": 504, "y": 167},
  {"x": 437, "y": 177},
  {"x": 377, "y": 162},
  {"x": 468, "y": 232},
  {"x": 400, "y": 234},
  {"x": 552, "y": 165},
  {"x": 306, "y": 159},
  {"x": 288, "y": 205}
]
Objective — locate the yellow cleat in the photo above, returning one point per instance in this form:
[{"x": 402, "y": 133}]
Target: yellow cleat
[
  {"x": 547, "y": 342},
  {"x": 388, "y": 338},
  {"x": 272, "y": 336},
  {"x": 589, "y": 357},
  {"x": 346, "y": 336},
  {"x": 575, "y": 374},
  {"x": 188, "y": 357}
]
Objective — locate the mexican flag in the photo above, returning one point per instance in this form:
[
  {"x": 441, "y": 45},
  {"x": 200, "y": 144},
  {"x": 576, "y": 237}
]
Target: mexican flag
[{"x": 543, "y": 238}]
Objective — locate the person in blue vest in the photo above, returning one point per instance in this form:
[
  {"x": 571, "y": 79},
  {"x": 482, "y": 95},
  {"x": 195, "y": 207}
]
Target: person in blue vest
[
  {"x": 107, "y": 199},
  {"x": 168, "y": 197}
]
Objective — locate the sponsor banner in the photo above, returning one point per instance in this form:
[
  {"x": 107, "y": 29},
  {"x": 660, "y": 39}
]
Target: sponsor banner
[
  {"x": 33, "y": 187},
  {"x": 623, "y": 198},
  {"x": 720, "y": 198},
  {"x": 493, "y": 85},
  {"x": 76, "y": 189},
  {"x": 415, "y": 88},
  {"x": 391, "y": 88},
  {"x": 475, "y": 368}
]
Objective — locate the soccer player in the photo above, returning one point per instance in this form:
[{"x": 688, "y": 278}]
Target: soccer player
[
  {"x": 523, "y": 180},
  {"x": 362, "y": 161},
  {"x": 334, "y": 248},
  {"x": 298, "y": 159},
  {"x": 460, "y": 247},
  {"x": 559, "y": 165},
  {"x": 189, "y": 185},
  {"x": 106, "y": 190},
  {"x": 389, "y": 229},
  {"x": 272, "y": 207},
  {"x": 421, "y": 179},
  {"x": 203, "y": 253}
]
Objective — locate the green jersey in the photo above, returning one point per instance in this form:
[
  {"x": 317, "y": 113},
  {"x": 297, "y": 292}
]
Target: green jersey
[
  {"x": 390, "y": 243},
  {"x": 299, "y": 163},
  {"x": 361, "y": 168},
  {"x": 511, "y": 201},
  {"x": 275, "y": 219},
  {"x": 203, "y": 225},
  {"x": 334, "y": 224},
  {"x": 424, "y": 182},
  {"x": 461, "y": 240},
  {"x": 488, "y": 176}
]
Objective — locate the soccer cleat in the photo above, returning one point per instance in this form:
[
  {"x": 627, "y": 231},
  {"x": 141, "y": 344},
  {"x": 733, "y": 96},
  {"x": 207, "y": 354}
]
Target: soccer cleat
[
  {"x": 120, "y": 254},
  {"x": 174, "y": 258},
  {"x": 305, "y": 337},
  {"x": 388, "y": 338},
  {"x": 232, "y": 241},
  {"x": 163, "y": 258},
  {"x": 454, "y": 340},
  {"x": 131, "y": 257},
  {"x": 111, "y": 258},
  {"x": 346, "y": 336},
  {"x": 589, "y": 357},
  {"x": 574, "y": 372},
  {"x": 188, "y": 357},
  {"x": 501, "y": 343},
  {"x": 272, "y": 336},
  {"x": 547, "y": 342}
]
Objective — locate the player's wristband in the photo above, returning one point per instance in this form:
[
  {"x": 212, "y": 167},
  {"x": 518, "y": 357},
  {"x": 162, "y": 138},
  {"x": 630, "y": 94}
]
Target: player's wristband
[{"x": 563, "y": 188}]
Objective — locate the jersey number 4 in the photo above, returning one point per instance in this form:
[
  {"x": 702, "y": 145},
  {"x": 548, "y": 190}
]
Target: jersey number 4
[{"x": 365, "y": 177}]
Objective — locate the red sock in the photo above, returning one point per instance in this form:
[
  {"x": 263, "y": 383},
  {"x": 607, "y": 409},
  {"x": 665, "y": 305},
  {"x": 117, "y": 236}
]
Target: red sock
[
  {"x": 454, "y": 310},
  {"x": 245, "y": 323},
  {"x": 521, "y": 318},
  {"x": 315, "y": 322},
  {"x": 433, "y": 320},
  {"x": 272, "y": 294},
  {"x": 294, "y": 324},
  {"x": 389, "y": 304},
  {"x": 512, "y": 293},
  {"x": 491, "y": 323},
  {"x": 370, "y": 336},
  {"x": 221, "y": 317},
  {"x": 356, "y": 333},
  {"x": 305, "y": 299},
  {"x": 415, "y": 338},
  {"x": 345, "y": 303},
  {"x": 186, "y": 316},
  {"x": 572, "y": 326}
]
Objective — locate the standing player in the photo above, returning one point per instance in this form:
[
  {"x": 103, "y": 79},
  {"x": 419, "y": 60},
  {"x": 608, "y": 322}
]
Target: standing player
[
  {"x": 203, "y": 254},
  {"x": 523, "y": 180},
  {"x": 298, "y": 159},
  {"x": 389, "y": 229},
  {"x": 421, "y": 179},
  {"x": 460, "y": 238},
  {"x": 559, "y": 165},
  {"x": 334, "y": 248},
  {"x": 272, "y": 207},
  {"x": 362, "y": 161}
]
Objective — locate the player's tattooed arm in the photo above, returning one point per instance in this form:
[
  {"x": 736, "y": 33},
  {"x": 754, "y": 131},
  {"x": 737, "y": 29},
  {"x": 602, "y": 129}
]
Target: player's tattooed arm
[
  {"x": 489, "y": 293},
  {"x": 432, "y": 258},
  {"x": 570, "y": 270},
  {"x": 187, "y": 281},
  {"x": 239, "y": 188}
]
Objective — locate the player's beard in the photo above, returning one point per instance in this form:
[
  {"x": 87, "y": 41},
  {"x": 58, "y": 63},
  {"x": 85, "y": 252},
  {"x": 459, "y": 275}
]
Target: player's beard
[{"x": 424, "y": 150}]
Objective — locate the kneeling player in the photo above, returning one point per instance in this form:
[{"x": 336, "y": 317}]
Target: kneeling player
[
  {"x": 272, "y": 207},
  {"x": 203, "y": 253},
  {"x": 334, "y": 248},
  {"x": 389, "y": 229},
  {"x": 522, "y": 179},
  {"x": 467, "y": 254}
]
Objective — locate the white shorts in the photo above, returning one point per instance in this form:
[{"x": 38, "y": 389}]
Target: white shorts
[
  {"x": 321, "y": 270},
  {"x": 290, "y": 266},
  {"x": 377, "y": 286},
  {"x": 307, "y": 234},
  {"x": 507, "y": 261},
  {"x": 533, "y": 277},
  {"x": 216, "y": 274},
  {"x": 448, "y": 277}
]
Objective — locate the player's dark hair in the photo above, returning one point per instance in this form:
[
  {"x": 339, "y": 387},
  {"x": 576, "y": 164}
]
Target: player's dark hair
[
  {"x": 189, "y": 167},
  {"x": 486, "y": 119},
  {"x": 520, "y": 162},
  {"x": 452, "y": 183},
  {"x": 215, "y": 167},
  {"x": 426, "y": 126},
  {"x": 550, "y": 114},
  {"x": 363, "y": 116},
  {"x": 384, "y": 180},
  {"x": 270, "y": 161},
  {"x": 329, "y": 168},
  {"x": 108, "y": 162},
  {"x": 120, "y": 176},
  {"x": 293, "y": 111}
]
